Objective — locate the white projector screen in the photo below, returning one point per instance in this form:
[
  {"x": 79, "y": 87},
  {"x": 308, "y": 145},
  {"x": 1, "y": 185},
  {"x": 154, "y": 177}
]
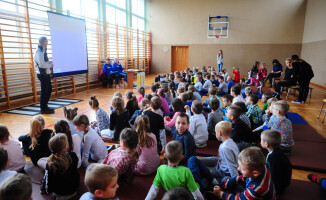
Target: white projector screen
[{"x": 69, "y": 46}]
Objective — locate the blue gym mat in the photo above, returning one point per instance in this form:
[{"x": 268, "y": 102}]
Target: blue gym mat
[{"x": 295, "y": 118}]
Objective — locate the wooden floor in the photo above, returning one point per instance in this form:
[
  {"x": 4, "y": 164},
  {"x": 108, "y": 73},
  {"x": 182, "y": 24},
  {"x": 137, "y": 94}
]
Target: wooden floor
[{"x": 19, "y": 124}]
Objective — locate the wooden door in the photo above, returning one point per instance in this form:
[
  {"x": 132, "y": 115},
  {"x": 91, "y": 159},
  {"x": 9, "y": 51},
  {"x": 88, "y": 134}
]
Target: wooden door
[{"x": 180, "y": 58}]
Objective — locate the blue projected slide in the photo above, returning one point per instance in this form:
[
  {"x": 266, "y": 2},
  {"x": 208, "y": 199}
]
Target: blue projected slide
[{"x": 68, "y": 42}]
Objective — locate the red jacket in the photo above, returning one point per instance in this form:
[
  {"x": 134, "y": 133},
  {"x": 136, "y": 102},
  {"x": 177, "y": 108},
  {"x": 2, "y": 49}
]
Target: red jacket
[
  {"x": 262, "y": 73},
  {"x": 236, "y": 76}
]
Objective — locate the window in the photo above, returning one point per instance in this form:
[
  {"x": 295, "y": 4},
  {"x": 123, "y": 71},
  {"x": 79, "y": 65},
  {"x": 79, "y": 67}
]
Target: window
[
  {"x": 138, "y": 13},
  {"x": 116, "y": 12}
]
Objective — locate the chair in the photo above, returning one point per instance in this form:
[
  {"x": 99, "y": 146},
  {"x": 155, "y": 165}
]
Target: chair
[
  {"x": 324, "y": 101},
  {"x": 295, "y": 87},
  {"x": 277, "y": 79}
]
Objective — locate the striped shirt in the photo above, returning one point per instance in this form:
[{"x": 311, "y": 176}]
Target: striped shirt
[{"x": 256, "y": 188}]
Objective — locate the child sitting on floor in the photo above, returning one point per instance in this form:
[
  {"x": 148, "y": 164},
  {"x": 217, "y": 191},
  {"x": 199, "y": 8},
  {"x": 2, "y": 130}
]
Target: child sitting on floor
[
  {"x": 206, "y": 85},
  {"x": 132, "y": 104},
  {"x": 254, "y": 112},
  {"x": 141, "y": 91},
  {"x": 236, "y": 93},
  {"x": 222, "y": 87},
  {"x": 16, "y": 187},
  {"x": 144, "y": 105},
  {"x": 227, "y": 101},
  {"x": 212, "y": 94},
  {"x": 74, "y": 141},
  {"x": 182, "y": 135},
  {"x": 101, "y": 181},
  {"x": 198, "y": 126},
  {"x": 16, "y": 160},
  {"x": 61, "y": 175},
  {"x": 172, "y": 175},
  {"x": 101, "y": 126},
  {"x": 35, "y": 144},
  {"x": 156, "y": 123},
  {"x": 243, "y": 115},
  {"x": 214, "y": 117},
  {"x": 220, "y": 167},
  {"x": 283, "y": 125},
  {"x": 149, "y": 159},
  {"x": 94, "y": 147},
  {"x": 165, "y": 104},
  {"x": 278, "y": 164},
  {"x": 236, "y": 73},
  {"x": 178, "y": 107},
  {"x": 264, "y": 98},
  {"x": 3, "y": 163},
  {"x": 70, "y": 113},
  {"x": 255, "y": 175},
  {"x": 241, "y": 133},
  {"x": 118, "y": 119},
  {"x": 230, "y": 83},
  {"x": 266, "y": 117},
  {"x": 196, "y": 95},
  {"x": 248, "y": 92},
  {"x": 123, "y": 159}
]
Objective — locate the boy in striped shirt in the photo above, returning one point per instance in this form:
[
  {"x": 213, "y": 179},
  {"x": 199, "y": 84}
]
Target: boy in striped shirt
[{"x": 256, "y": 176}]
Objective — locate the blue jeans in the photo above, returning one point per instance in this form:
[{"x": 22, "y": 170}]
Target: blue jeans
[
  {"x": 219, "y": 66},
  {"x": 122, "y": 74},
  {"x": 199, "y": 171}
]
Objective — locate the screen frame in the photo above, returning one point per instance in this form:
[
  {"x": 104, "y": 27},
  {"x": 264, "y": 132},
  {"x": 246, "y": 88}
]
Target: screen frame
[{"x": 62, "y": 74}]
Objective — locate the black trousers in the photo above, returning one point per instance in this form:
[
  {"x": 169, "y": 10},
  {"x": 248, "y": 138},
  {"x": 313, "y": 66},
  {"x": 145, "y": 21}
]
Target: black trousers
[
  {"x": 46, "y": 90},
  {"x": 270, "y": 77},
  {"x": 303, "y": 90},
  {"x": 280, "y": 84}
]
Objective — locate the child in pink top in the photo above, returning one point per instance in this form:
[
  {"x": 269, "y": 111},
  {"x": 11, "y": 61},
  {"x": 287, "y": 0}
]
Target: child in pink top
[
  {"x": 16, "y": 160},
  {"x": 123, "y": 159},
  {"x": 149, "y": 159},
  {"x": 165, "y": 104},
  {"x": 178, "y": 108},
  {"x": 141, "y": 91}
]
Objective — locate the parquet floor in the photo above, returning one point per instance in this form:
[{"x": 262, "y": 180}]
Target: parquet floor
[{"x": 19, "y": 124}]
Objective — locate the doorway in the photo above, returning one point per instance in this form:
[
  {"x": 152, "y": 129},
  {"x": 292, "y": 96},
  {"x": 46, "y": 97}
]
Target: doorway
[{"x": 180, "y": 58}]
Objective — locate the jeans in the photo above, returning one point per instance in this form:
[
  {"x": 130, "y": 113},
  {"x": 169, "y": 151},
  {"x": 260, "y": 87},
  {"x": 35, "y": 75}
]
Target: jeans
[
  {"x": 303, "y": 90},
  {"x": 46, "y": 90},
  {"x": 200, "y": 172},
  {"x": 122, "y": 74},
  {"x": 280, "y": 84},
  {"x": 203, "y": 91},
  {"x": 113, "y": 75},
  {"x": 219, "y": 66},
  {"x": 270, "y": 76}
]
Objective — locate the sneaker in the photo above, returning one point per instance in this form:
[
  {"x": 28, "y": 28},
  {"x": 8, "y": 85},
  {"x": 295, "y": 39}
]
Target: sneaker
[
  {"x": 314, "y": 178},
  {"x": 296, "y": 101},
  {"x": 47, "y": 111}
]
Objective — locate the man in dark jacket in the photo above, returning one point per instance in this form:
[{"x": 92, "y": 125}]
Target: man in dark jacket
[{"x": 303, "y": 72}]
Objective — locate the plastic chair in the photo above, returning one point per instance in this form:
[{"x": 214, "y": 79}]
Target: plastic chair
[{"x": 324, "y": 101}]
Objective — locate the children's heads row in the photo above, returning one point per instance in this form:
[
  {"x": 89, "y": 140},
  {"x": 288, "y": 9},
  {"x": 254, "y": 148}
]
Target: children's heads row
[{"x": 119, "y": 103}]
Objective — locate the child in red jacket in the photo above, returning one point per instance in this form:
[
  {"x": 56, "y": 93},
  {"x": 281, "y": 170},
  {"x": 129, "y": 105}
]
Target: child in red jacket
[{"x": 236, "y": 73}]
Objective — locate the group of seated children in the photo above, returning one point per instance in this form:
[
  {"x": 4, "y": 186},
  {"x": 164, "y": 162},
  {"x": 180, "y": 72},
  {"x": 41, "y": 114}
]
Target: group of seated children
[{"x": 141, "y": 127}]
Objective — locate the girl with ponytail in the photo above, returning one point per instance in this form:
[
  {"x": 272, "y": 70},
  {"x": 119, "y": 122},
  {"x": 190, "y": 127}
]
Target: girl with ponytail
[
  {"x": 132, "y": 104},
  {"x": 149, "y": 159},
  {"x": 74, "y": 141},
  {"x": 103, "y": 120},
  {"x": 61, "y": 176},
  {"x": 141, "y": 91},
  {"x": 35, "y": 144}
]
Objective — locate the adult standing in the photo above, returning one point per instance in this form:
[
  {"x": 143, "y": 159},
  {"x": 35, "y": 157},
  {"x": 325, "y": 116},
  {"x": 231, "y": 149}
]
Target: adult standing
[
  {"x": 110, "y": 73},
  {"x": 43, "y": 70},
  {"x": 276, "y": 72},
  {"x": 289, "y": 79},
  {"x": 303, "y": 72},
  {"x": 118, "y": 67},
  {"x": 219, "y": 59}
]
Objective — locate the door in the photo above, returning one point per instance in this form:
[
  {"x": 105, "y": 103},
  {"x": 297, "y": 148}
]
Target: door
[{"x": 180, "y": 58}]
